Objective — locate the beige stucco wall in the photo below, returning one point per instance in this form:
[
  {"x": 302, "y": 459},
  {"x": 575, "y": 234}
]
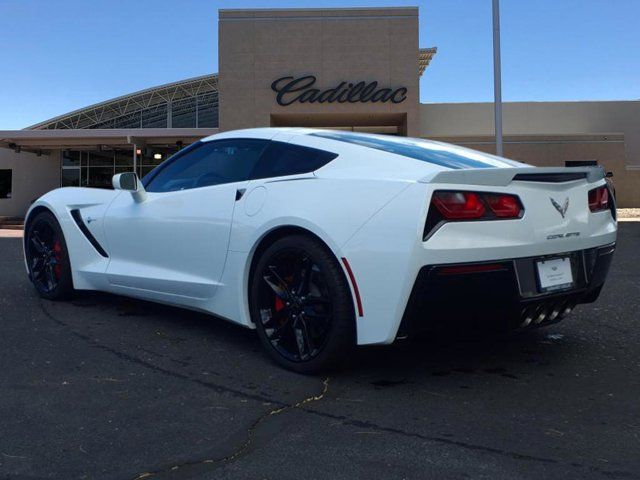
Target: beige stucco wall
[
  {"x": 537, "y": 118},
  {"x": 550, "y": 133},
  {"x": 32, "y": 177},
  {"x": 257, "y": 47},
  {"x": 554, "y": 150}
]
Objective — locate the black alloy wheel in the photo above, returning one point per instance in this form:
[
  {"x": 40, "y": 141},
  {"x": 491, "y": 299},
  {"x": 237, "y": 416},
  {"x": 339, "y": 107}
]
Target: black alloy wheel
[
  {"x": 302, "y": 305},
  {"x": 47, "y": 257}
]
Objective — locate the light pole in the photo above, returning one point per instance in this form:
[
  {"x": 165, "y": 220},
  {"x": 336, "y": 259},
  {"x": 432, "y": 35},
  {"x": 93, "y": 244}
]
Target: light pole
[{"x": 497, "y": 83}]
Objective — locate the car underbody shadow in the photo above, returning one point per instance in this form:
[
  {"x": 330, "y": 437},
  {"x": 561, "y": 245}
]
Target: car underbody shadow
[{"x": 461, "y": 352}]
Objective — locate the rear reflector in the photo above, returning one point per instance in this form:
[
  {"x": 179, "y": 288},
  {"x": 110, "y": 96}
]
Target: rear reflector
[
  {"x": 464, "y": 269},
  {"x": 599, "y": 199},
  {"x": 356, "y": 292}
]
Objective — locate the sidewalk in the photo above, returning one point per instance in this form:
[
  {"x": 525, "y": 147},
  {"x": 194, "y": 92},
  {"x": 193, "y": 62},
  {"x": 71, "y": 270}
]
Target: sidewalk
[
  {"x": 629, "y": 214},
  {"x": 5, "y": 233}
]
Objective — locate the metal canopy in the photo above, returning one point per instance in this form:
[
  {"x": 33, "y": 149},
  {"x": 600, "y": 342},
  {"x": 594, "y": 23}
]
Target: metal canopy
[
  {"x": 43, "y": 140},
  {"x": 425, "y": 56},
  {"x": 153, "y": 106}
]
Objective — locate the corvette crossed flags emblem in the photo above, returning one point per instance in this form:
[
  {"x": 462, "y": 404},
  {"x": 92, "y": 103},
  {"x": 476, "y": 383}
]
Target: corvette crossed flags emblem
[{"x": 561, "y": 209}]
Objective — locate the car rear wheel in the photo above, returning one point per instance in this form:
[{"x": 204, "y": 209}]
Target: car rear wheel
[
  {"x": 48, "y": 258},
  {"x": 301, "y": 305}
]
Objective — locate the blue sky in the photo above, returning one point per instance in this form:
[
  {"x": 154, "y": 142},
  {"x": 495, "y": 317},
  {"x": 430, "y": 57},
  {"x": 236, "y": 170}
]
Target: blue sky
[{"x": 61, "y": 55}]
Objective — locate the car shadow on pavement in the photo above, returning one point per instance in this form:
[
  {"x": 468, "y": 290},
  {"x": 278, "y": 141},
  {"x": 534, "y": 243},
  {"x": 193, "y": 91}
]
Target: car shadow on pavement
[
  {"x": 460, "y": 353},
  {"x": 441, "y": 354}
]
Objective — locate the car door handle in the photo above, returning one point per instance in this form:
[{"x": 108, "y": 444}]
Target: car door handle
[{"x": 240, "y": 193}]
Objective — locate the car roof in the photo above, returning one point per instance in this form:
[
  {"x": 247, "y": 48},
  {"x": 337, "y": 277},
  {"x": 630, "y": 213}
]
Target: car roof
[{"x": 369, "y": 155}]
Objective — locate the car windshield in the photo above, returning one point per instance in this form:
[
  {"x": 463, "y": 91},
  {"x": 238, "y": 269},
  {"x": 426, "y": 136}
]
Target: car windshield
[{"x": 445, "y": 155}]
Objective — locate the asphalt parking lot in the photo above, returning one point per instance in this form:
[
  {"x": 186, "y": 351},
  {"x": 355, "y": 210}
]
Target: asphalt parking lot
[{"x": 110, "y": 388}]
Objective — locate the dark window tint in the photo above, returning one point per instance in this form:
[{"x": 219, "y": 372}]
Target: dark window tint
[
  {"x": 207, "y": 163},
  {"x": 70, "y": 159},
  {"x": 70, "y": 177},
  {"x": 445, "y": 155},
  {"x": 280, "y": 159},
  {"x": 5, "y": 183}
]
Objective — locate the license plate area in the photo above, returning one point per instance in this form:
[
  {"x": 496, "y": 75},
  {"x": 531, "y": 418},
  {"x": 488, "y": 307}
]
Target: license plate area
[{"x": 554, "y": 274}]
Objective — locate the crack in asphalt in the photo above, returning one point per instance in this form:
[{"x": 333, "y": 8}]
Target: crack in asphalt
[
  {"x": 465, "y": 445},
  {"x": 281, "y": 406},
  {"x": 284, "y": 407},
  {"x": 238, "y": 452}
]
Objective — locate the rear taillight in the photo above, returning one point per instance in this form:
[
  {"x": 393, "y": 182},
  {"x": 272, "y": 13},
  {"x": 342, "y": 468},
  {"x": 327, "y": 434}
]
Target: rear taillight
[
  {"x": 457, "y": 206},
  {"x": 476, "y": 205},
  {"x": 504, "y": 206},
  {"x": 599, "y": 199}
]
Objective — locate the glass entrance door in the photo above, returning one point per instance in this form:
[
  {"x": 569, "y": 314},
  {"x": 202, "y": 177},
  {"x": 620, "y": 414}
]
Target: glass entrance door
[{"x": 70, "y": 173}]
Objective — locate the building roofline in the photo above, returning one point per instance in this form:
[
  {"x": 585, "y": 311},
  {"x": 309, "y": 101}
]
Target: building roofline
[
  {"x": 33, "y": 140},
  {"x": 124, "y": 98},
  {"x": 248, "y": 12}
]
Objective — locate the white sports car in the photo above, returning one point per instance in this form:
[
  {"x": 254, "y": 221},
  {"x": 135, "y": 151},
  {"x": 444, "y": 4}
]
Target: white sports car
[{"x": 321, "y": 240}]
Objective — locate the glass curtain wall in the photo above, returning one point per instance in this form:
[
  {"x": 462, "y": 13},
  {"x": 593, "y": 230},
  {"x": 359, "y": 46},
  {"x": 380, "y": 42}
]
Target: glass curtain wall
[
  {"x": 70, "y": 170},
  {"x": 95, "y": 168},
  {"x": 150, "y": 158},
  {"x": 188, "y": 112}
]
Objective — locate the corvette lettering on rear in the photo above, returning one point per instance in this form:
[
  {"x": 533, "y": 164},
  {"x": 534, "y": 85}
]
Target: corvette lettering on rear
[{"x": 563, "y": 235}]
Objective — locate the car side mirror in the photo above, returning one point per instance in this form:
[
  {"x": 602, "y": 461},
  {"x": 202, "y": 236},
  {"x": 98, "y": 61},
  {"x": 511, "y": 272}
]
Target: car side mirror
[
  {"x": 129, "y": 181},
  {"x": 609, "y": 175}
]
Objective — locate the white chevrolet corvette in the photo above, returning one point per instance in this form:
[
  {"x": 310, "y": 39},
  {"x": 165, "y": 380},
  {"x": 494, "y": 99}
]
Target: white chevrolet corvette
[{"x": 321, "y": 240}]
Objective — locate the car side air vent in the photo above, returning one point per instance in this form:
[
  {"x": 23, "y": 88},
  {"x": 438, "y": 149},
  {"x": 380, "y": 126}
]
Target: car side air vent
[
  {"x": 550, "y": 177},
  {"x": 75, "y": 213}
]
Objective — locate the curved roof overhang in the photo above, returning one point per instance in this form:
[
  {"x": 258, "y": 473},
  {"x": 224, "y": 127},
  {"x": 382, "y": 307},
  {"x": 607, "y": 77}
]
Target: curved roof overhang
[{"x": 85, "y": 118}]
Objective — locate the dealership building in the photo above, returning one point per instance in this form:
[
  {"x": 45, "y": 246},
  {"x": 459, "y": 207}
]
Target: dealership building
[{"x": 356, "y": 69}]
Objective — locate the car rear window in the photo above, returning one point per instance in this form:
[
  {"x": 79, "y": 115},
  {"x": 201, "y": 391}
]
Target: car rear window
[
  {"x": 280, "y": 159},
  {"x": 442, "y": 154}
]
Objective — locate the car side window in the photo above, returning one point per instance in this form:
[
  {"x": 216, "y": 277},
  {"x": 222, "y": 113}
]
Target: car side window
[
  {"x": 210, "y": 163},
  {"x": 280, "y": 159}
]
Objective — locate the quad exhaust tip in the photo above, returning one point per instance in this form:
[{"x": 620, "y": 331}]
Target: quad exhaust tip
[{"x": 538, "y": 314}]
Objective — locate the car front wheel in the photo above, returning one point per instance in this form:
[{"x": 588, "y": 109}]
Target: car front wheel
[{"x": 48, "y": 258}]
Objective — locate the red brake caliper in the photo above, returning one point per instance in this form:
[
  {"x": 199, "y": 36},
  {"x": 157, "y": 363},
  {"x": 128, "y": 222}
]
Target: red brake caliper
[
  {"x": 57, "y": 249},
  {"x": 279, "y": 304}
]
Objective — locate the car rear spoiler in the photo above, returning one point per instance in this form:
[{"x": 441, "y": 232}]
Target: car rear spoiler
[{"x": 504, "y": 176}]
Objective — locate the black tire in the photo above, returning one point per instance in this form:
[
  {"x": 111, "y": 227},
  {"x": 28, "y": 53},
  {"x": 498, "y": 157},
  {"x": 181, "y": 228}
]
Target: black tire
[
  {"x": 318, "y": 320},
  {"x": 45, "y": 244}
]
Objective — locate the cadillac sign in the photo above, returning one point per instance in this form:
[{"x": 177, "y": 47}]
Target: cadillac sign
[{"x": 290, "y": 90}]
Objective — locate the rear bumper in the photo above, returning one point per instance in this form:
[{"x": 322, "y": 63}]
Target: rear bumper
[{"x": 502, "y": 293}]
